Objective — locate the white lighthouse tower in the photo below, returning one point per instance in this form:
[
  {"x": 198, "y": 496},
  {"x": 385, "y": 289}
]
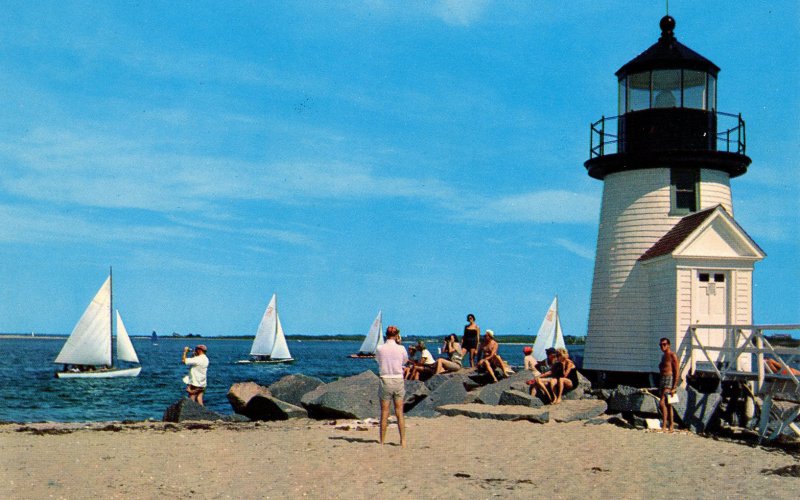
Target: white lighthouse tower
[{"x": 669, "y": 253}]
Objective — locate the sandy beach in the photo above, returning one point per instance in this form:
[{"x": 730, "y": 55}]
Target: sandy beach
[{"x": 314, "y": 459}]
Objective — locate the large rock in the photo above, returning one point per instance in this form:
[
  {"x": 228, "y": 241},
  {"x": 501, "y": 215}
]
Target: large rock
[
  {"x": 521, "y": 398},
  {"x": 416, "y": 391},
  {"x": 476, "y": 410},
  {"x": 631, "y": 399},
  {"x": 582, "y": 409},
  {"x": 188, "y": 410},
  {"x": 242, "y": 392},
  {"x": 262, "y": 407},
  {"x": 451, "y": 391},
  {"x": 584, "y": 388},
  {"x": 353, "y": 397},
  {"x": 490, "y": 394},
  {"x": 695, "y": 409},
  {"x": 292, "y": 388}
]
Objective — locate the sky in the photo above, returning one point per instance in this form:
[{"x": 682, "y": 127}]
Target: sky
[{"x": 423, "y": 158}]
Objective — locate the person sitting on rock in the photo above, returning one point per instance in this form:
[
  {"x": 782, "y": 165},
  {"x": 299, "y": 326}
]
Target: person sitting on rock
[
  {"x": 422, "y": 363},
  {"x": 560, "y": 379},
  {"x": 569, "y": 375},
  {"x": 490, "y": 359},
  {"x": 542, "y": 368},
  {"x": 410, "y": 364},
  {"x": 529, "y": 362},
  {"x": 451, "y": 361},
  {"x": 547, "y": 363}
]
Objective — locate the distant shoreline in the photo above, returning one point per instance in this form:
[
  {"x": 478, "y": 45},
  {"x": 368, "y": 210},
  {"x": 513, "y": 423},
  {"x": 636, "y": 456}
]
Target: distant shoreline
[
  {"x": 502, "y": 339},
  {"x": 301, "y": 338}
]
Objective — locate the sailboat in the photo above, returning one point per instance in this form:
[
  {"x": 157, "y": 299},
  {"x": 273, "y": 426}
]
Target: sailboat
[
  {"x": 154, "y": 338},
  {"x": 373, "y": 340},
  {"x": 269, "y": 346},
  {"x": 87, "y": 351},
  {"x": 550, "y": 334}
]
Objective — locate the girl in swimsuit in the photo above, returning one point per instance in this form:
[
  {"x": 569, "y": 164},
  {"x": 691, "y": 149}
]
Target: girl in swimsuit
[
  {"x": 568, "y": 378},
  {"x": 470, "y": 340}
]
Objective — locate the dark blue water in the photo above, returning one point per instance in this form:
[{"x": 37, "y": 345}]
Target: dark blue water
[{"x": 29, "y": 391}]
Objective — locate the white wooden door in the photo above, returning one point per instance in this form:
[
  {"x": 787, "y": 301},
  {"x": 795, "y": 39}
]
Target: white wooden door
[{"x": 710, "y": 307}]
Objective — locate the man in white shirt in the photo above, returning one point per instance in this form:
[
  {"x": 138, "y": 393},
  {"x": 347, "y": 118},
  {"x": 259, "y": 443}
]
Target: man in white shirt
[
  {"x": 196, "y": 380},
  {"x": 391, "y": 358}
]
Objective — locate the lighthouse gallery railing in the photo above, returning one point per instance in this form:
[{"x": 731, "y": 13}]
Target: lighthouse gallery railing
[{"x": 604, "y": 138}]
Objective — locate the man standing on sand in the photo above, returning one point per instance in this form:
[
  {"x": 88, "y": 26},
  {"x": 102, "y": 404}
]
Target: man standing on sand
[
  {"x": 670, "y": 370},
  {"x": 391, "y": 358},
  {"x": 196, "y": 380}
]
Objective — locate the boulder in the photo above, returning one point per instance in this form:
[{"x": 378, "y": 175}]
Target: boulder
[
  {"x": 186, "y": 410},
  {"x": 353, "y": 397},
  {"x": 584, "y": 388},
  {"x": 515, "y": 413},
  {"x": 695, "y": 409},
  {"x": 573, "y": 410},
  {"x": 451, "y": 391},
  {"x": 631, "y": 399},
  {"x": 490, "y": 394},
  {"x": 416, "y": 391},
  {"x": 240, "y": 394},
  {"x": 520, "y": 398},
  {"x": 292, "y": 388},
  {"x": 262, "y": 407}
]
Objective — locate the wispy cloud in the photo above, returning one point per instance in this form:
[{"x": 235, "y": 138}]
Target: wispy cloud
[
  {"x": 461, "y": 12},
  {"x": 572, "y": 247},
  {"x": 21, "y": 224},
  {"x": 548, "y": 206}
]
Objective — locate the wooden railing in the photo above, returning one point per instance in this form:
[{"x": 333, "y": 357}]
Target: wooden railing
[{"x": 728, "y": 360}]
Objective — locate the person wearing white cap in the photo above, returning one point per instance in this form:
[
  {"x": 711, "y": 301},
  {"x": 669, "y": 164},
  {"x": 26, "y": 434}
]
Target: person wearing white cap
[
  {"x": 196, "y": 380},
  {"x": 491, "y": 359}
]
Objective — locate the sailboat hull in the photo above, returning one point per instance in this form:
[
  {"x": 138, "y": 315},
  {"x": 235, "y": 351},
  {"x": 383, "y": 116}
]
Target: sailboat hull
[
  {"x": 362, "y": 356},
  {"x": 110, "y": 373},
  {"x": 264, "y": 362}
]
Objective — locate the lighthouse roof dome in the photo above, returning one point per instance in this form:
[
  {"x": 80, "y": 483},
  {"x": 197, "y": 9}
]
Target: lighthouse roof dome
[{"x": 668, "y": 53}]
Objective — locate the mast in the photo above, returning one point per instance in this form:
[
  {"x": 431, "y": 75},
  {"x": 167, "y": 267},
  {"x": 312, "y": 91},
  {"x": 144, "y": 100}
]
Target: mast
[{"x": 111, "y": 312}]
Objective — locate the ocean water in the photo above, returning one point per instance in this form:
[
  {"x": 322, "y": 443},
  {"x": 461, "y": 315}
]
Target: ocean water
[{"x": 29, "y": 391}]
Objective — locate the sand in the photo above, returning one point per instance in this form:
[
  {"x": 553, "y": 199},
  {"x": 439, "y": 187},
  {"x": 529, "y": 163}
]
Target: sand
[{"x": 447, "y": 457}]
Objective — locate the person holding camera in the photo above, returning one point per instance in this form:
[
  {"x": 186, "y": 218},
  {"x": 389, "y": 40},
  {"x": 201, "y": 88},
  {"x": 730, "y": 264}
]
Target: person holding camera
[{"x": 196, "y": 380}]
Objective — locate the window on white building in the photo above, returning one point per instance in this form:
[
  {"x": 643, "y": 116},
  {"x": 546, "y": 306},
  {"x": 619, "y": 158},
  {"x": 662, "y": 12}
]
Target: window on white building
[{"x": 684, "y": 190}]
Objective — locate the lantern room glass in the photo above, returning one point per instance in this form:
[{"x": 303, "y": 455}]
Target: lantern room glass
[
  {"x": 638, "y": 91},
  {"x": 666, "y": 88},
  {"x": 694, "y": 89}
]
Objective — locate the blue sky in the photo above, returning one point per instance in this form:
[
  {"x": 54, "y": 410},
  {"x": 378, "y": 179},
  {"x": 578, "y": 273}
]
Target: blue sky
[{"x": 423, "y": 158}]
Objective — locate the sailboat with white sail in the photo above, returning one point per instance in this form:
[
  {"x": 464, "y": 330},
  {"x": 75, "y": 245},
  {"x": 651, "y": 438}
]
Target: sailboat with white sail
[
  {"x": 269, "y": 345},
  {"x": 550, "y": 334},
  {"x": 87, "y": 352},
  {"x": 373, "y": 339}
]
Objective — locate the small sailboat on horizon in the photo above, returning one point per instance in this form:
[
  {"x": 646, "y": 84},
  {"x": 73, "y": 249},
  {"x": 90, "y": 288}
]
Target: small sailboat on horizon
[
  {"x": 373, "y": 339},
  {"x": 269, "y": 345},
  {"x": 87, "y": 352},
  {"x": 550, "y": 334}
]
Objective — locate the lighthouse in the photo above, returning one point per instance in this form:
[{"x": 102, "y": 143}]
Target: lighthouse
[{"x": 669, "y": 252}]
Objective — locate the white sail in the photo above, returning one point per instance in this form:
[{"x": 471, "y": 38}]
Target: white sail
[
  {"x": 125, "y": 350},
  {"x": 550, "y": 334},
  {"x": 374, "y": 337},
  {"x": 265, "y": 335},
  {"x": 279, "y": 350},
  {"x": 90, "y": 340}
]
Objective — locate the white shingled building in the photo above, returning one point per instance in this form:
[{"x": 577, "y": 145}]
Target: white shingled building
[{"x": 669, "y": 252}]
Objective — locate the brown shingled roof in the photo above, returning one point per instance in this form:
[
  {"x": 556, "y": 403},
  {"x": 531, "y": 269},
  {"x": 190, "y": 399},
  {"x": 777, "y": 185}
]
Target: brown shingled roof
[{"x": 675, "y": 236}]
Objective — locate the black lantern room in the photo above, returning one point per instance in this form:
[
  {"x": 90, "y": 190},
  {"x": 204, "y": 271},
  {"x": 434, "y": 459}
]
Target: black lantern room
[{"x": 668, "y": 115}]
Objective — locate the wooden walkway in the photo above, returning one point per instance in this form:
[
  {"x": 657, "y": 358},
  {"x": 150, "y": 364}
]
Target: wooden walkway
[{"x": 744, "y": 357}]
